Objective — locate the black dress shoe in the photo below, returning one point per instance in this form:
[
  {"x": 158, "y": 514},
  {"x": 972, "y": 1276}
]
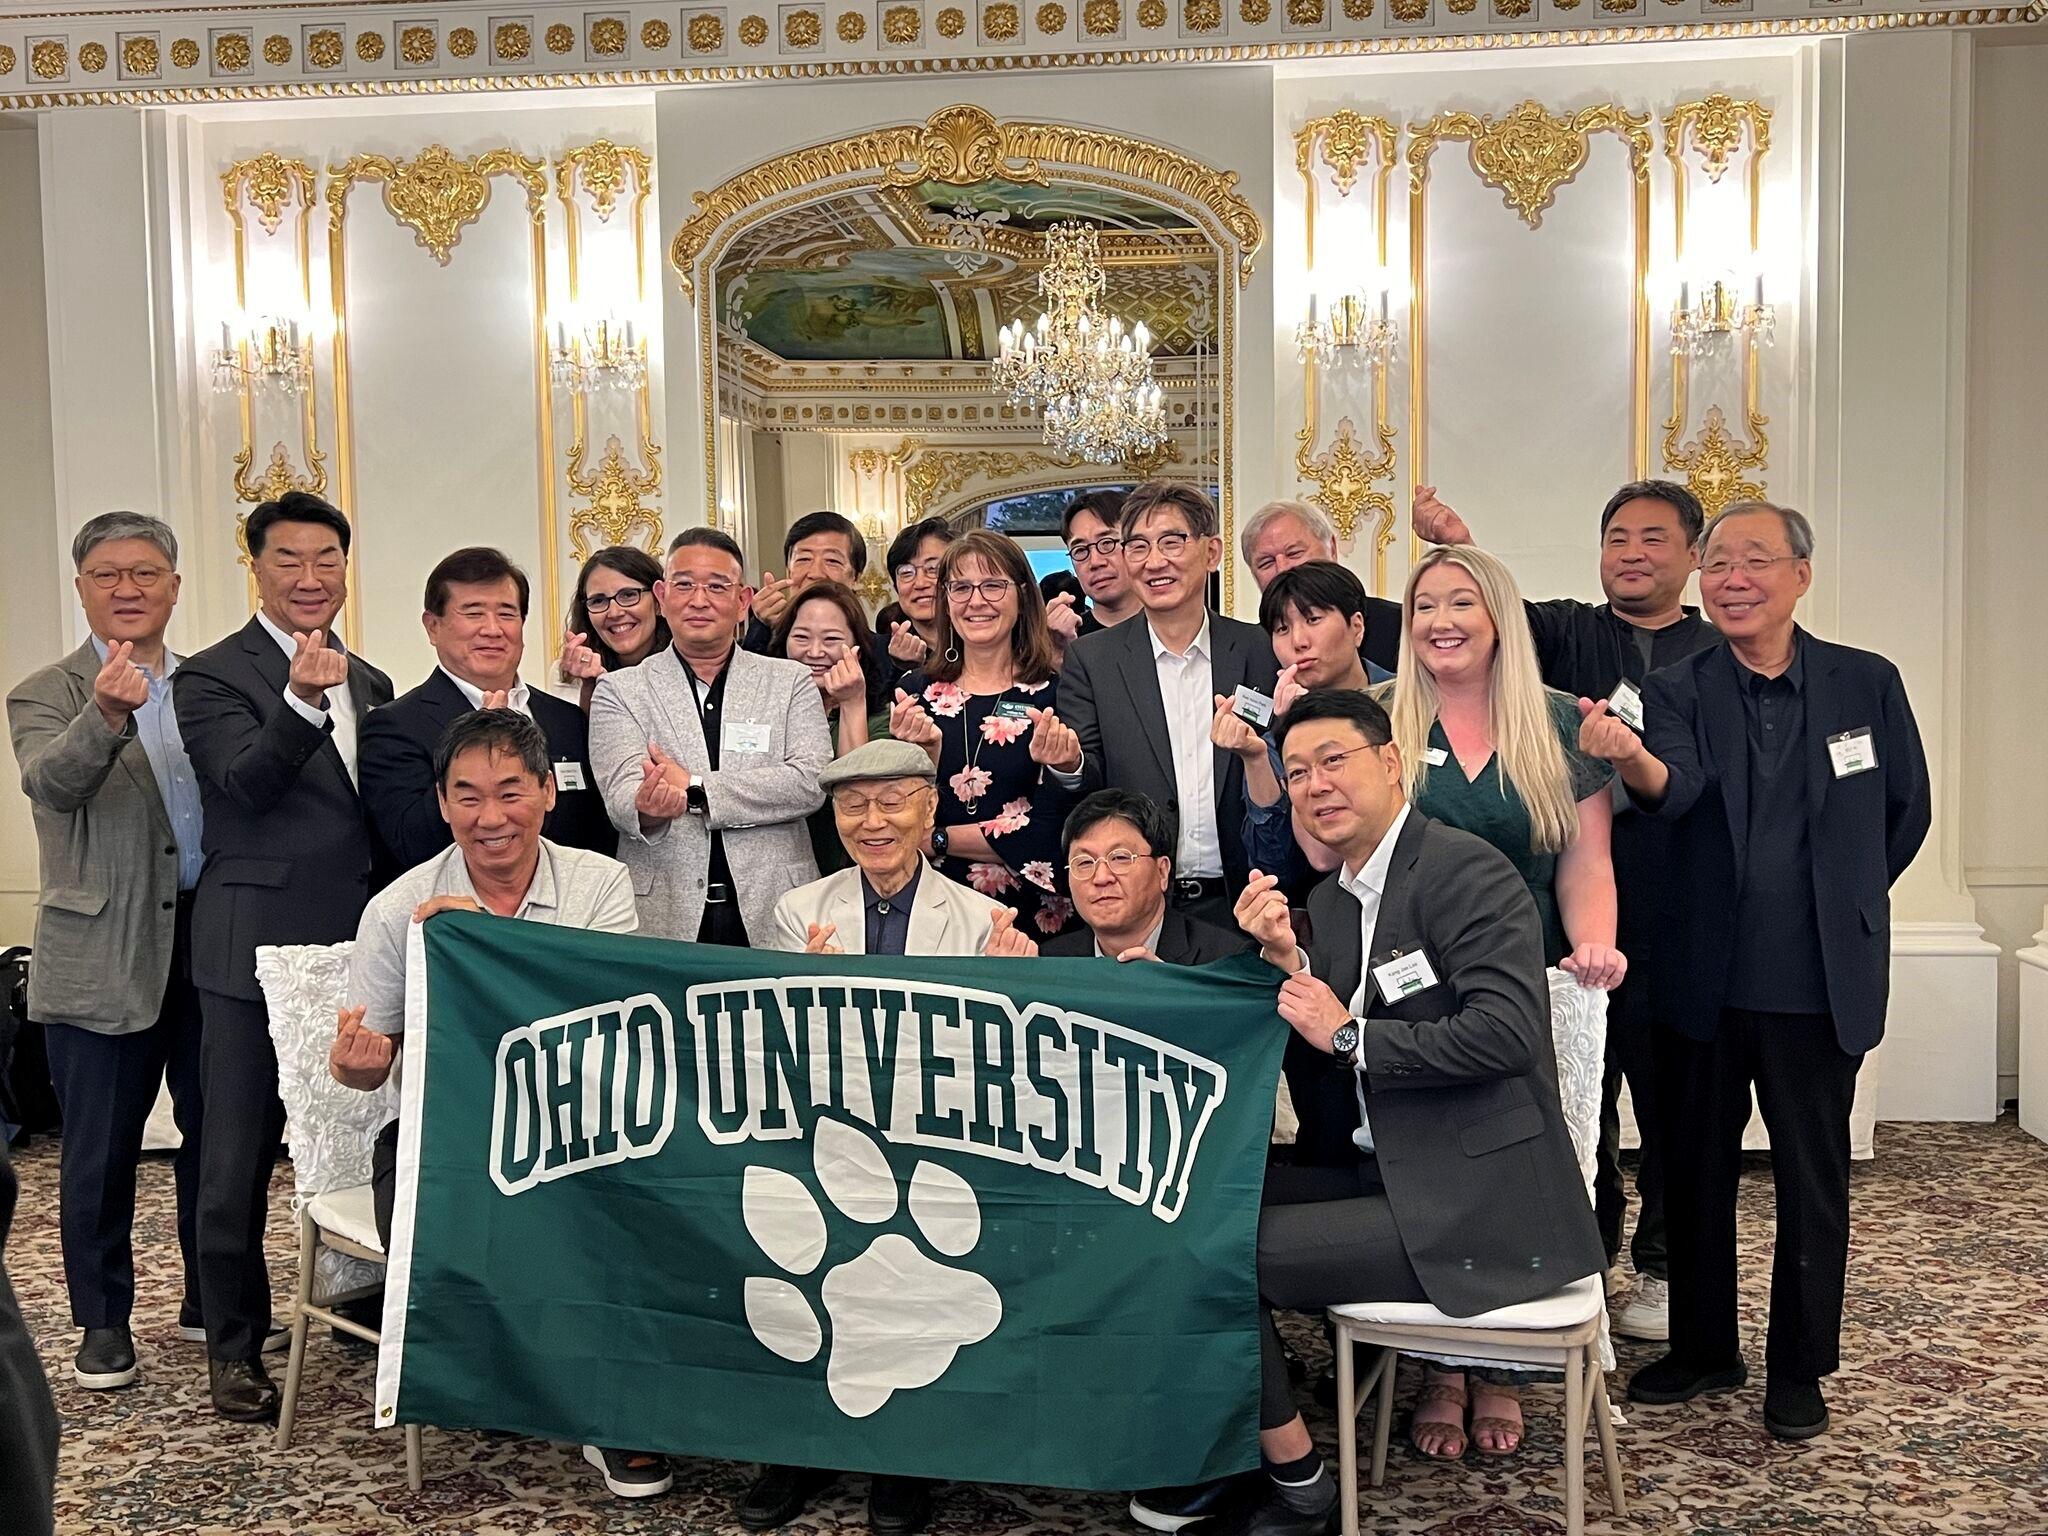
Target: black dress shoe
[
  {"x": 1669, "y": 1379},
  {"x": 1794, "y": 1410},
  {"x": 106, "y": 1358},
  {"x": 1272, "y": 1515},
  {"x": 899, "y": 1506},
  {"x": 780, "y": 1494},
  {"x": 242, "y": 1390},
  {"x": 1169, "y": 1509}
]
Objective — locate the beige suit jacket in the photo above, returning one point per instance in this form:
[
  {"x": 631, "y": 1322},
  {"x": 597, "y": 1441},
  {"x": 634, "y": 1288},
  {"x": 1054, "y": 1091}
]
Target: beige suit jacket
[{"x": 945, "y": 918}]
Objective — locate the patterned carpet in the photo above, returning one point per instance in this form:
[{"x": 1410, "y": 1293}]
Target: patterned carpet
[{"x": 1941, "y": 1417}]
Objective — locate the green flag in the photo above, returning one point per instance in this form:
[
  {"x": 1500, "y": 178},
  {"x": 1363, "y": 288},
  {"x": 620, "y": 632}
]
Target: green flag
[{"x": 961, "y": 1218}]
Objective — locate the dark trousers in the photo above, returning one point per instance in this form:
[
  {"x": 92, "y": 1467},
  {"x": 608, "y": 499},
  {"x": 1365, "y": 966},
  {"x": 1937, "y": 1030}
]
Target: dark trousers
[
  {"x": 1326, "y": 1236},
  {"x": 1804, "y": 1084},
  {"x": 384, "y": 1181},
  {"x": 723, "y": 924},
  {"x": 106, "y": 1085},
  {"x": 244, "y": 1122},
  {"x": 1630, "y": 1057}
]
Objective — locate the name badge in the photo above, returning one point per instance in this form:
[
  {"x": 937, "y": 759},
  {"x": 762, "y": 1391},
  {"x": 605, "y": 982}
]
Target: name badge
[
  {"x": 1404, "y": 976},
  {"x": 569, "y": 775},
  {"x": 1626, "y": 704},
  {"x": 1852, "y": 752},
  {"x": 745, "y": 736},
  {"x": 1253, "y": 707},
  {"x": 1011, "y": 709},
  {"x": 1436, "y": 757}
]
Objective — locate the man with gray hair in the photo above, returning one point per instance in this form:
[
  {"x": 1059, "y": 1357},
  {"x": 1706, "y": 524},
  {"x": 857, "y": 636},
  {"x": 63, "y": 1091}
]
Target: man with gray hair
[
  {"x": 1792, "y": 773},
  {"x": 117, "y": 818},
  {"x": 1284, "y": 534}
]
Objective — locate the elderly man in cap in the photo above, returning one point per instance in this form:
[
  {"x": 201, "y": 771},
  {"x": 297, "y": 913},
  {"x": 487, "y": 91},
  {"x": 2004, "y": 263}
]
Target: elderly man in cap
[{"x": 883, "y": 797}]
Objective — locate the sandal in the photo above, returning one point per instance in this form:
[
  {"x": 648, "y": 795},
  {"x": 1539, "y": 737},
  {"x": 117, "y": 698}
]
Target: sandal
[
  {"x": 1440, "y": 1407},
  {"x": 1488, "y": 1398}
]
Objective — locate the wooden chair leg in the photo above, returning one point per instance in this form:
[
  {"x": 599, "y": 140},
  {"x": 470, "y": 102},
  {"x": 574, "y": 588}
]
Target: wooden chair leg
[
  {"x": 1610, "y": 1455},
  {"x": 1575, "y": 1442},
  {"x": 1347, "y": 1432},
  {"x": 414, "y": 1476},
  {"x": 1383, "y": 1416},
  {"x": 302, "y": 1295}
]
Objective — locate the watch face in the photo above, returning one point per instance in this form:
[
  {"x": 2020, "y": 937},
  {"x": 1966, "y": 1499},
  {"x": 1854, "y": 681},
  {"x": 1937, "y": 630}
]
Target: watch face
[{"x": 1345, "y": 1040}]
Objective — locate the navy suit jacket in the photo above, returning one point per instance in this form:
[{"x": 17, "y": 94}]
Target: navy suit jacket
[
  {"x": 1864, "y": 829},
  {"x": 1183, "y": 940},
  {"x": 397, "y": 770}
]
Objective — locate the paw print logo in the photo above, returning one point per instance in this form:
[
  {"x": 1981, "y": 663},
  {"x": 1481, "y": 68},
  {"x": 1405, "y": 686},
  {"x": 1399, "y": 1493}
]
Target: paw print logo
[{"x": 898, "y": 1315}]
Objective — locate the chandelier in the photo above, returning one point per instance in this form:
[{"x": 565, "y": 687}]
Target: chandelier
[
  {"x": 267, "y": 354},
  {"x": 1090, "y": 375},
  {"x": 602, "y": 353},
  {"x": 1711, "y": 310}
]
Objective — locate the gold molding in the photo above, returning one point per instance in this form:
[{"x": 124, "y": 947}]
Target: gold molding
[
  {"x": 960, "y": 145},
  {"x": 615, "y": 508},
  {"x": 437, "y": 194},
  {"x": 1345, "y": 481},
  {"x": 279, "y": 474},
  {"x": 931, "y": 473}
]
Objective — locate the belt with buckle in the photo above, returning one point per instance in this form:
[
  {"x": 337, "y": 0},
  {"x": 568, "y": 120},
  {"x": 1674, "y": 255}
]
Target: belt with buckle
[
  {"x": 716, "y": 893},
  {"x": 1189, "y": 888}
]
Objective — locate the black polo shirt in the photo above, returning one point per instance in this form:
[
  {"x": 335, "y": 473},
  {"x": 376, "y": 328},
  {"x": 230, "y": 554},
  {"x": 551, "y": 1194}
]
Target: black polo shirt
[
  {"x": 710, "y": 705},
  {"x": 1777, "y": 966}
]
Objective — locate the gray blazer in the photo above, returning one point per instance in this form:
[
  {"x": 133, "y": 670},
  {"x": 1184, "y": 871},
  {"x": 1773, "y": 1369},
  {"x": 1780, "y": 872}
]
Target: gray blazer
[
  {"x": 758, "y": 800},
  {"x": 107, "y": 921}
]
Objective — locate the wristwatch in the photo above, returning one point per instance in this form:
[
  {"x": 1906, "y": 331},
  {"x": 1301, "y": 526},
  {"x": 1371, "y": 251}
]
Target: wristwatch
[
  {"x": 694, "y": 801},
  {"x": 1344, "y": 1043},
  {"x": 940, "y": 842}
]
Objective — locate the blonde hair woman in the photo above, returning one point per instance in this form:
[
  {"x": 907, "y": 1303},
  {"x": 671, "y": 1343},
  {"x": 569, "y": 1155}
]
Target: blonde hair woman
[{"x": 1487, "y": 748}]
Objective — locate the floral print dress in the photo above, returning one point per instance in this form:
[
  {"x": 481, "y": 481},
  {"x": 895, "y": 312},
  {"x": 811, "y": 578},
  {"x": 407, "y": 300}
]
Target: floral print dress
[{"x": 987, "y": 778}]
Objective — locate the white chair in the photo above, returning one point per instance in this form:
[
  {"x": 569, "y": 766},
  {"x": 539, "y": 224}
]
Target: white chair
[
  {"x": 1566, "y": 1330},
  {"x": 331, "y": 1131}
]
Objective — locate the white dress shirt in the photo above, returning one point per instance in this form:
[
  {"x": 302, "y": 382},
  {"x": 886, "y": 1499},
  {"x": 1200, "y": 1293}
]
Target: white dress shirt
[
  {"x": 341, "y": 704},
  {"x": 1187, "y": 689},
  {"x": 1366, "y": 886},
  {"x": 516, "y": 696}
]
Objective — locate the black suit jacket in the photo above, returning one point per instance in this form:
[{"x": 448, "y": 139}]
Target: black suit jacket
[
  {"x": 1110, "y": 678},
  {"x": 1183, "y": 940},
  {"x": 1461, "y": 1077},
  {"x": 396, "y": 759},
  {"x": 28, "y": 1417},
  {"x": 1864, "y": 829},
  {"x": 1382, "y": 644},
  {"x": 289, "y": 856}
]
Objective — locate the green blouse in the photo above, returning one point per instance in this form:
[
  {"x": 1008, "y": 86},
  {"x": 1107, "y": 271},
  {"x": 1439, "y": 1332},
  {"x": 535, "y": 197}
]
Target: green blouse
[{"x": 1489, "y": 807}]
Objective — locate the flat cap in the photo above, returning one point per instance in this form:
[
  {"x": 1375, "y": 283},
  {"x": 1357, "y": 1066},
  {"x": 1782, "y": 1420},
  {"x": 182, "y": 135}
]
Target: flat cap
[{"x": 883, "y": 759}]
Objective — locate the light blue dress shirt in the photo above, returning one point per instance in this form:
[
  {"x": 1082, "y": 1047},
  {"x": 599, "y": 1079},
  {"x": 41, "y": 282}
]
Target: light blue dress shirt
[{"x": 156, "y": 726}]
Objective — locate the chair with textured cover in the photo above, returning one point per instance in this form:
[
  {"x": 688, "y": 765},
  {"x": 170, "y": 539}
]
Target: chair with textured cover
[
  {"x": 331, "y": 1130},
  {"x": 1566, "y": 1330}
]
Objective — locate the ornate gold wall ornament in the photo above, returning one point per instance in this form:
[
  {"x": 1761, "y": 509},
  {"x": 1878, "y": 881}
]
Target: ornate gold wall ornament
[
  {"x": 608, "y": 36},
  {"x": 512, "y": 41},
  {"x": 1051, "y": 17},
  {"x": 1152, "y": 14},
  {"x": 279, "y": 475},
  {"x": 1348, "y": 139},
  {"x": 1305, "y": 13},
  {"x": 658, "y": 34},
  {"x": 7, "y": 59},
  {"x": 1408, "y": 10},
  {"x": 616, "y": 507},
  {"x": 139, "y": 58},
  {"x": 803, "y": 29},
  {"x": 705, "y": 33},
  {"x": 602, "y": 166},
  {"x": 1202, "y": 15},
  {"x": 902, "y": 25},
  {"x": 323, "y": 48},
  {"x": 851, "y": 26},
  {"x": 1357, "y": 10},
  {"x": 436, "y": 193},
  {"x": 753, "y": 31},
  {"x": 1717, "y": 125},
  {"x": 233, "y": 52},
  {"x": 1344, "y": 478},
  {"x": 184, "y": 53},
  {"x": 1101, "y": 18},
  {"x": 1508, "y": 10},
  {"x": 560, "y": 37},
  {"x": 462, "y": 42},
  {"x": 1001, "y": 22},
  {"x": 277, "y": 50},
  {"x": 1255, "y": 12},
  {"x": 269, "y": 183},
  {"x": 369, "y": 46},
  {"x": 1565, "y": 5},
  {"x": 48, "y": 59},
  {"x": 1716, "y": 468},
  {"x": 92, "y": 57},
  {"x": 1528, "y": 154},
  {"x": 418, "y": 45},
  {"x": 1619, "y": 7},
  {"x": 950, "y": 22}
]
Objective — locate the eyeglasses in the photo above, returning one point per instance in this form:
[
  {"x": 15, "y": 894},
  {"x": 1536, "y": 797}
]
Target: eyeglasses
[
  {"x": 1168, "y": 544},
  {"x": 108, "y": 577},
  {"x": 1106, "y": 547},
  {"x": 992, "y": 590},
  {"x": 686, "y": 587},
  {"x": 890, "y": 801},
  {"x": 908, "y": 573},
  {"x": 1083, "y": 865},
  {"x": 1326, "y": 765},
  {"x": 625, "y": 597},
  {"x": 1754, "y": 565}
]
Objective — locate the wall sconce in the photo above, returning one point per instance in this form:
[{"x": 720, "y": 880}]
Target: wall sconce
[
  {"x": 602, "y": 353},
  {"x": 1712, "y": 311},
  {"x": 267, "y": 354},
  {"x": 1358, "y": 332}
]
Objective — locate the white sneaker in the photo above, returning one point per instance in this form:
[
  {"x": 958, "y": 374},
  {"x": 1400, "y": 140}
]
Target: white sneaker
[
  {"x": 275, "y": 1342},
  {"x": 1648, "y": 1313}
]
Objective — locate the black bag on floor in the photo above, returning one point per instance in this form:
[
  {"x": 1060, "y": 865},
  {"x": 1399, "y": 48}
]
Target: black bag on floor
[{"x": 28, "y": 1104}]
